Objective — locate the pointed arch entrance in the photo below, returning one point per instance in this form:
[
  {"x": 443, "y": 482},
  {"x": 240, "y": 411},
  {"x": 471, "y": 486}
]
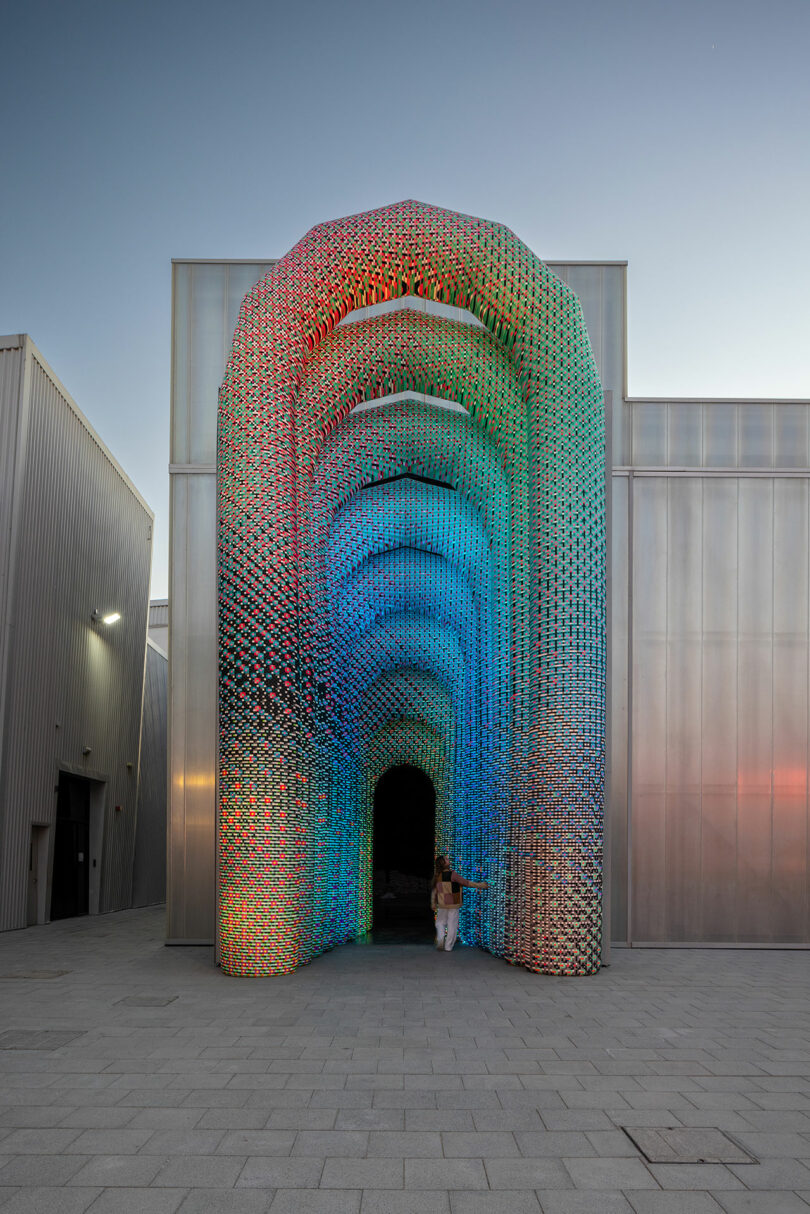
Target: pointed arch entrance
[{"x": 403, "y": 835}]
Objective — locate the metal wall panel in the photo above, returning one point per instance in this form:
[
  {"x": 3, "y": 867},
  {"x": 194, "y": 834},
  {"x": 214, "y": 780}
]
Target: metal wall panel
[
  {"x": 755, "y": 424},
  {"x": 601, "y": 289},
  {"x": 588, "y": 288},
  {"x": 13, "y": 427},
  {"x": 149, "y": 864},
  {"x": 650, "y": 434},
  {"x": 649, "y": 723},
  {"x": 208, "y": 294},
  {"x": 618, "y": 708},
  {"x": 720, "y": 436},
  {"x": 192, "y": 708},
  {"x": 725, "y": 715},
  {"x": 791, "y": 612},
  {"x": 159, "y": 623},
  {"x": 790, "y": 435},
  {"x": 683, "y": 708},
  {"x": 685, "y": 435},
  {"x": 73, "y": 688},
  {"x": 754, "y": 707},
  {"x": 719, "y": 711},
  {"x": 181, "y": 352},
  {"x": 206, "y": 300},
  {"x": 612, "y": 368}
]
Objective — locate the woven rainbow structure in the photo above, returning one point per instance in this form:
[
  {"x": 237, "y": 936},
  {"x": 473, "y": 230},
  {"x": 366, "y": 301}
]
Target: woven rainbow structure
[{"x": 411, "y": 570}]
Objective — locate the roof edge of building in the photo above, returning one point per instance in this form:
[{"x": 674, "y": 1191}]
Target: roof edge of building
[{"x": 25, "y": 341}]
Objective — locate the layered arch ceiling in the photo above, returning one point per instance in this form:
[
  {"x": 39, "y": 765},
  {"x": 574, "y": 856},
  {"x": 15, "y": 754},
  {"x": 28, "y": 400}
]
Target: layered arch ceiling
[{"x": 409, "y": 583}]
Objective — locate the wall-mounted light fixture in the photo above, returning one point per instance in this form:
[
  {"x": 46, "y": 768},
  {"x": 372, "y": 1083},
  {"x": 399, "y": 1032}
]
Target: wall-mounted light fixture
[{"x": 112, "y": 618}]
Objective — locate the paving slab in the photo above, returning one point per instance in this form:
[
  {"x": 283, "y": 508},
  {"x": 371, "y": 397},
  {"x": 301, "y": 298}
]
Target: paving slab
[
  {"x": 777, "y": 1202},
  {"x": 226, "y": 1201},
  {"x": 674, "y": 1203},
  {"x": 43, "y": 1200},
  {"x": 579, "y": 1202},
  {"x": 390, "y": 1080}
]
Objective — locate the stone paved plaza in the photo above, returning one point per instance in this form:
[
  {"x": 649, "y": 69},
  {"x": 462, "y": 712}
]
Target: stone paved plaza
[{"x": 391, "y": 1080}]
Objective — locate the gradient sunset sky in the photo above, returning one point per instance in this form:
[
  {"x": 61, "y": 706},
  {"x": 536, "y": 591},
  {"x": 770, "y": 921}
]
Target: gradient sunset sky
[{"x": 675, "y": 135}]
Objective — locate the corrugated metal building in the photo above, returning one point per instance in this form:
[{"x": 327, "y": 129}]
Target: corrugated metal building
[
  {"x": 709, "y": 831},
  {"x": 75, "y": 551},
  {"x": 159, "y": 623}
]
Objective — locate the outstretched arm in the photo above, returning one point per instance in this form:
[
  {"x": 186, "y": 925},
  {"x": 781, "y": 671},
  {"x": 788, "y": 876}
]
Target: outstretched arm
[{"x": 470, "y": 884}]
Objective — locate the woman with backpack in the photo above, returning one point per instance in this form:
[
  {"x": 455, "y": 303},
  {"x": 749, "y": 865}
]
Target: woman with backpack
[{"x": 445, "y": 898}]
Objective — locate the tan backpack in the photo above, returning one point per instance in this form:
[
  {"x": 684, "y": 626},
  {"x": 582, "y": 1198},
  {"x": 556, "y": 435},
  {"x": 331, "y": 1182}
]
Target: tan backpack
[{"x": 448, "y": 893}]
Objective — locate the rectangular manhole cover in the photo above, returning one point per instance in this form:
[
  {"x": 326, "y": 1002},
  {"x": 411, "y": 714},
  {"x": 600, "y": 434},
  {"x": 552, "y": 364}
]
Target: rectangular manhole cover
[
  {"x": 36, "y": 1039},
  {"x": 675, "y": 1144},
  {"x": 147, "y": 1000}
]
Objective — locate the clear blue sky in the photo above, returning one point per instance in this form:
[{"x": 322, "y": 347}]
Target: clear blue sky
[{"x": 675, "y": 135}]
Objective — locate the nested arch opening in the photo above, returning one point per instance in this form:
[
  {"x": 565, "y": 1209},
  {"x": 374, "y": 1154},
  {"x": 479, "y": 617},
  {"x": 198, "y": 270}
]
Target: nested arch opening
[{"x": 517, "y": 764}]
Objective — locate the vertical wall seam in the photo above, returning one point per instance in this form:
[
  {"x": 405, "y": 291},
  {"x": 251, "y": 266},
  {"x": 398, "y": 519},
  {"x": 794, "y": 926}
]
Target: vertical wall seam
[
  {"x": 630, "y": 633},
  {"x": 737, "y": 723}
]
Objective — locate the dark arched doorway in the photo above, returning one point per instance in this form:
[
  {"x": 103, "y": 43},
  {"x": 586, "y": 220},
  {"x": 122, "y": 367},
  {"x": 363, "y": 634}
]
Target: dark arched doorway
[{"x": 404, "y": 839}]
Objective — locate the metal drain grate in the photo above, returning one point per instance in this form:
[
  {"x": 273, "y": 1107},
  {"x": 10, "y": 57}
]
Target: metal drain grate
[
  {"x": 146, "y": 1000},
  {"x": 36, "y": 1039},
  {"x": 675, "y": 1144}
]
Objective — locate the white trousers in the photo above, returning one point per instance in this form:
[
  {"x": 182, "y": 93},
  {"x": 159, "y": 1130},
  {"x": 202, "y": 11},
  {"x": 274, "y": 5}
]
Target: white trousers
[{"x": 446, "y": 927}]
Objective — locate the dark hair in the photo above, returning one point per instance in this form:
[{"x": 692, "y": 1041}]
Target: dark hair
[{"x": 441, "y": 864}]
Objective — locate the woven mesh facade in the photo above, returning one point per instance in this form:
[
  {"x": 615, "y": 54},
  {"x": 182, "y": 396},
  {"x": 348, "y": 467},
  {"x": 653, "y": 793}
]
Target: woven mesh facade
[{"x": 411, "y": 583}]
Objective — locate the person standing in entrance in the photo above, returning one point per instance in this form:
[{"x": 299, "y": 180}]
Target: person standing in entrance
[{"x": 446, "y": 898}]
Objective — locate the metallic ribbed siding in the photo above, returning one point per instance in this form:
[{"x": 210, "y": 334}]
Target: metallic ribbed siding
[
  {"x": 149, "y": 867},
  {"x": 83, "y": 541},
  {"x": 12, "y": 430},
  {"x": 159, "y": 623}
]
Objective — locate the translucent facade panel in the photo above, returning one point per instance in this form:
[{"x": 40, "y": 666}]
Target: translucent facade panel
[
  {"x": 717, "y": 434},
  {"x": 719, "y": 824},
  {"x": 181, "y": 344},
  {"x": 754, "y": 707},
  {"x": 718, "y": 895},
  {"x": 206, "y": 361},
  {"x": 617, "y": 708},
  {"x": 611, "y": 366},
  {"x": 790, "y": 426},
  {"x": 192, "y": 708},
  {"x": 791, "y": 613},
  {"x": 649, "y": 726},
  {"x": 207, "y": 298},
  {"x": 755, "y": 423},
  {"x": 683, "y": 708},
  {"x": 601, "y": 291},
  {"x": 649, "y": 434},
  {"x": 586, "y": 283},
  {"x": 241, "y": 279},
  {"x": 720, "y": 436},
  {"x": 685, "y": 435}
]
